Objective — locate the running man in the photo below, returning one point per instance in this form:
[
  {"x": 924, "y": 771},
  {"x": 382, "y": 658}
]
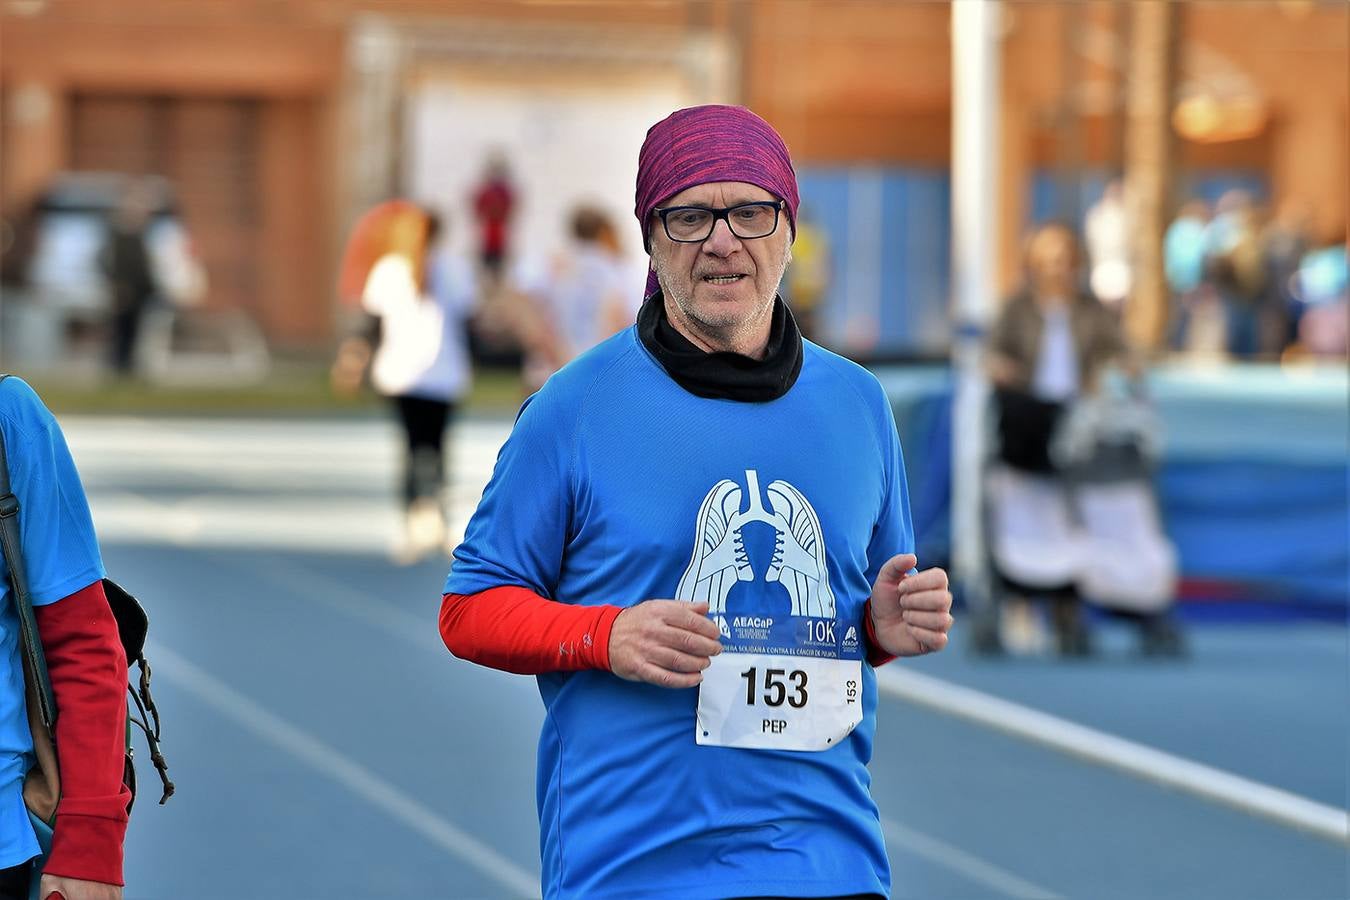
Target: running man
[{"x": 698, "y": 538}]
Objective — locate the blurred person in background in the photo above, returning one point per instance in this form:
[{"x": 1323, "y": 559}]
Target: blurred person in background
[
  {"x": 494, "y": 202},
  {"x": 1235, "y": 266},
  {"x": 1321, "y": 284},
  {"x": 579, "y": 299},
  {"x": 704, "y": 645},
  {"x": 85, "y": 661},
  {"x": 129, "y": 268},
  {"x": 419, "y": 299},
  {"x": 18, "y": 243},
  {"x": 808, "y": 281},
  {"x": 18, "y": 240},
  {"x": 1050, "y": 343},
  {"x": 1107, "y": 231},
  {"x": 503, "y": 321},
  {"x": 1284, "y": 243},
  {"x": 1184, "y": 268}
]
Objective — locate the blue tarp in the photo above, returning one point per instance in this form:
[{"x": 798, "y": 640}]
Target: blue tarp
[{"x": 1253, "y": 484}]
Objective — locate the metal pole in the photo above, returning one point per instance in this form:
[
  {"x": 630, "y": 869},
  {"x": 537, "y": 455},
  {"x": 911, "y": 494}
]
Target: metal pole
[
  {"x": 976, "y": 33},
  {"x": 1148, "y": 166}
]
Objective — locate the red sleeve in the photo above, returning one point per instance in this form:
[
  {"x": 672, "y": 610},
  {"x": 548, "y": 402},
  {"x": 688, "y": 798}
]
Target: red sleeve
[
  {"x": 875, "y": 655},
  {"x": 89, "y": 677},
  {"x": 516, "y": 630}
]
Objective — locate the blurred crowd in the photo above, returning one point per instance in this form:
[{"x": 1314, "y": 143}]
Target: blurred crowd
[
  {"x": 1072, "y": 512},
  {"x": 103, "y": 254},
  {"x": 1280, "y": 288},
  {"x": 1245, "y": 282},
  {"x": 424, "y": 316}
]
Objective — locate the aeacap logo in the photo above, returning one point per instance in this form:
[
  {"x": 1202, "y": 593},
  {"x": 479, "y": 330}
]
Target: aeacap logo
[
  {"x": 851, "y": 637},
  {"x": 752, "y": 622},
  {"x": 722, "y": 627}
]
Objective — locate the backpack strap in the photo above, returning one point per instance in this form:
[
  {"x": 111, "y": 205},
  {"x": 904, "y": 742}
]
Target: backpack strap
[
  {"x": 132, "y": 625},
  {"x": 35, "y": 662}
]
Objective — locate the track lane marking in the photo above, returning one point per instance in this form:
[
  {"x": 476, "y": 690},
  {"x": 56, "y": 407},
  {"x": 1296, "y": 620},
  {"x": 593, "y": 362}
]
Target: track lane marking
[
  {"x": 1140, "y": 760},
  {"x": 962, "y": 862},
  {"x": 341, "y": 769}
]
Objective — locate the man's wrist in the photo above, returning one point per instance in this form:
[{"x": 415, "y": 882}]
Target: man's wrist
[
  {"x": 604, "y": 631},
  {"x": 877, "y": 655}
]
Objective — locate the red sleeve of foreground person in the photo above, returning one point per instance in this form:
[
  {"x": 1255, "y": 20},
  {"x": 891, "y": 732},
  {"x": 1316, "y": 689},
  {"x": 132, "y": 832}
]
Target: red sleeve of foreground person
[
  {"x": 516, "y": 630},
  {"x": 88, "y": 670}
]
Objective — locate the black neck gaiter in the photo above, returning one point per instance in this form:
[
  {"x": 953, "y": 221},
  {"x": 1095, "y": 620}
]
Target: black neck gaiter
[{"x": 724, "y": 375}]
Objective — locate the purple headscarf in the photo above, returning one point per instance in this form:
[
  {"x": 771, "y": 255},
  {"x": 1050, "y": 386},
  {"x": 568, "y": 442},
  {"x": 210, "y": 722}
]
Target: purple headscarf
[{"x": 711, "y": 143}]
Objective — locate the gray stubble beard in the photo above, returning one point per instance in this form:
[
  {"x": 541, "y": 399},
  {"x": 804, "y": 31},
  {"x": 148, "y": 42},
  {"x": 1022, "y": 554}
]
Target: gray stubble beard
[{"x": 706, "y": 328}]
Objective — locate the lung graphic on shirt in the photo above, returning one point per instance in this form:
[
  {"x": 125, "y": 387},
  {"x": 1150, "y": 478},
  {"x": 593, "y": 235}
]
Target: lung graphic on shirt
[{"x": 719, "y": 559}]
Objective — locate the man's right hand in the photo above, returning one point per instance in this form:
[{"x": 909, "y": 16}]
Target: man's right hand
[{"x": 667, "y": 643}]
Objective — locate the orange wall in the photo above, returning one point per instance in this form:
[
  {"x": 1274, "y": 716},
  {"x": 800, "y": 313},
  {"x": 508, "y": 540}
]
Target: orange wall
[{"x": 852, "y": 82}]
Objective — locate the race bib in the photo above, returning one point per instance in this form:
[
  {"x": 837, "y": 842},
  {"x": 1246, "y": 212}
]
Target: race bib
[{"x": 764, "y": 701}]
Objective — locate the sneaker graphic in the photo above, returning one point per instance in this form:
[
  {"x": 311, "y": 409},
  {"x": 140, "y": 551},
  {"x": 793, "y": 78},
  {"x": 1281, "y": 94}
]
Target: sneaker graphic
[
  {"x": 719, "y": 559},
  {"x": 799, "y": 553}
]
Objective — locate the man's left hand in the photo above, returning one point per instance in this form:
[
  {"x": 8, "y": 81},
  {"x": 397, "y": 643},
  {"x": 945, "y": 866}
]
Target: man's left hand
[
  {"x": 75, "y": 889},
  {"x": 911, "y": 614}
]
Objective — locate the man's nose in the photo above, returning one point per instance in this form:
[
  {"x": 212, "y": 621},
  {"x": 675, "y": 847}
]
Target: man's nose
[{"x": 721, "y": 242}]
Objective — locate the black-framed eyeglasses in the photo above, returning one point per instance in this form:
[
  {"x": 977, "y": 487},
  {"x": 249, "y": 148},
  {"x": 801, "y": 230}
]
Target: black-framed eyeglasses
[{"x": 694, "y": 224}]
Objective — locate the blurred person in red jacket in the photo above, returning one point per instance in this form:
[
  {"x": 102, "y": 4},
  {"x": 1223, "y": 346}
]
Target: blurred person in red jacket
[
  {"x": 85, "y": 660},
  {"x": 493, "y": 204}
]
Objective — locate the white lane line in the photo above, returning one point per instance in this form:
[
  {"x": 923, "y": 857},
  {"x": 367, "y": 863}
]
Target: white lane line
[
  {"x": 314, "y": 585},
  {"x": 963, "y": 863},
  {"x": 346, "y": 772},
  {"x": 1146, "y": 762},
  {"x": 317, "y": 586},
  {"x": 220, "y": 520}
]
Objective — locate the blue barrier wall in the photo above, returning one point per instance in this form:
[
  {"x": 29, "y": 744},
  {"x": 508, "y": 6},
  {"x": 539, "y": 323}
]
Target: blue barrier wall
[
  {"x": 1253, "y": 485},
  {"x": 889, "y": 231}
]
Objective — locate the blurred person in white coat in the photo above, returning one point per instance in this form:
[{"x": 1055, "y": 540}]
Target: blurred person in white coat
[{"x": 419, "y": 298}]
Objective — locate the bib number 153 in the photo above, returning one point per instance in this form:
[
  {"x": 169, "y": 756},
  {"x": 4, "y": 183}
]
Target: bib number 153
[{"x": 779, "y": 686}]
